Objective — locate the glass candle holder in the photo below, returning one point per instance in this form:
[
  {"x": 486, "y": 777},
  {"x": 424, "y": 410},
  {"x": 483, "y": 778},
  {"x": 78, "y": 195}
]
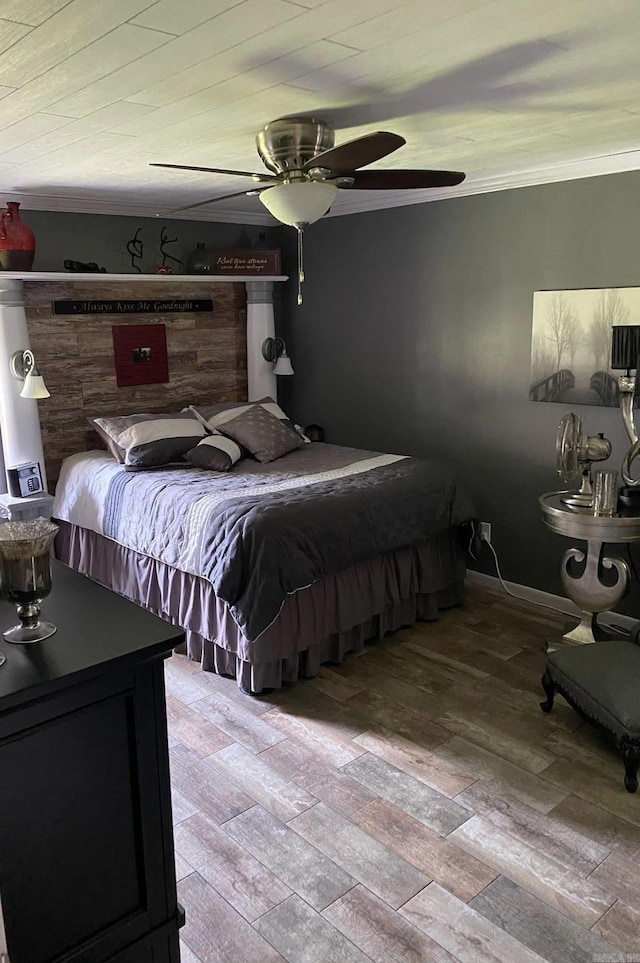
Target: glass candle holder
[{"x": 25, "y": 571}]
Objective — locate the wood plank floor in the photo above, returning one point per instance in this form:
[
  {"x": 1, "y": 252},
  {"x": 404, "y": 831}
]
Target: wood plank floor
[{"x": 412, "y": 804}]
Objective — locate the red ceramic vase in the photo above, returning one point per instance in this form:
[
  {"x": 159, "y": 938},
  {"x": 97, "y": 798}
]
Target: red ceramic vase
[{"x": 17, "y": 241}]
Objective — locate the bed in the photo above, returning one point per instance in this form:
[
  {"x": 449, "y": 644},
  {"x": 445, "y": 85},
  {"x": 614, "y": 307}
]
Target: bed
[{"x": 271, "y": 569}]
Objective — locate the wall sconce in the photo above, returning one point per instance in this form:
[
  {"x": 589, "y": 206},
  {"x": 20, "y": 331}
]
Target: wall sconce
[
  {"x": 23, "y": 367},
  {"x": 275, "y": 350}
]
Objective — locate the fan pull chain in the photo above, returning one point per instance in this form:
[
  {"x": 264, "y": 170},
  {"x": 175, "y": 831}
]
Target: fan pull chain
[{"x": 300, "y": 265}]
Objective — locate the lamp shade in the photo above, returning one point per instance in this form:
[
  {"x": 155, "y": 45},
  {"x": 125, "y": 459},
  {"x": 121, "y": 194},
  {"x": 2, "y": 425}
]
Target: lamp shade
[
  {"x": 34, "y": 386},
  {"x": 299, "y": 202},
  {"x": 625, "y": 346},
  {"x": 283, "y": 365}
]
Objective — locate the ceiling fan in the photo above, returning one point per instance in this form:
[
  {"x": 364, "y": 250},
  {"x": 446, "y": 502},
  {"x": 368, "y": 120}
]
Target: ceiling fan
[{"x": 307, "y": 172}]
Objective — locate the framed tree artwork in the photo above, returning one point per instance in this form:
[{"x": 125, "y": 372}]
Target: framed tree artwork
[{"x": 571, "y": 344}]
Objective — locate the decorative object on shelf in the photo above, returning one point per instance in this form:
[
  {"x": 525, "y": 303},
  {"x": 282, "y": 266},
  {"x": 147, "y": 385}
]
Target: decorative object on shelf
[
  {"x": 198, "y": 261},
  {"x": 307, "y": 171},
  {"x": 80, "y": 267},
  {"x": 135, "y": 249},
  {"x": 571, "y": 342},
  {"x": 249, "y": 262},
  {"x": 575, "y": 453},
  {"x": 275, "y": 350},
  {"x": 25, "y": 567},
  {"x": 17, "y": 241},
  {"x": 165, "y": 267},
  {"x": 23, "y": 368},
  {"x": 261, "y": 244}
]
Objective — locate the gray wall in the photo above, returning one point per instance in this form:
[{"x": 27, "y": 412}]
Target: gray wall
[{"x": 415, "y": 337}]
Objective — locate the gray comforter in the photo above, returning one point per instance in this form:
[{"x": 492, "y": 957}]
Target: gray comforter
[{"x": 261, "y": 532}]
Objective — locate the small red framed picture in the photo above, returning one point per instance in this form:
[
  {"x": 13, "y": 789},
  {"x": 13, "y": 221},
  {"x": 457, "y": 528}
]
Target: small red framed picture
[{"x": 140, "y": 354}]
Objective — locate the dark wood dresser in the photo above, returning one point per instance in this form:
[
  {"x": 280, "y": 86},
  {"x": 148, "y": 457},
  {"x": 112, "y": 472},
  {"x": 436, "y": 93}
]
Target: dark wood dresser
[{"x": 86, "y": 842}]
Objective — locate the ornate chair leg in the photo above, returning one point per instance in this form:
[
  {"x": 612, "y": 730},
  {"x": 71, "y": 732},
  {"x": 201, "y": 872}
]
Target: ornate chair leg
[
  {"x": 631, "y": 764},
  {"x": 549, "y": 688}
]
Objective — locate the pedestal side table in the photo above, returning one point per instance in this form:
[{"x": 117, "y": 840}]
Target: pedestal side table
[{"x": 590, "y": 592}]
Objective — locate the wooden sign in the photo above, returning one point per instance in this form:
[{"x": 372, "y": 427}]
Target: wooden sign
[
  {"x": 244, "y": 262},
  {"x": 140, "y": 354},
  {"x": 167, "y": 306}
]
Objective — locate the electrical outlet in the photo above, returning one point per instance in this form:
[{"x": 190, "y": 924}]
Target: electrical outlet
[{"x": 485, "y": 531}]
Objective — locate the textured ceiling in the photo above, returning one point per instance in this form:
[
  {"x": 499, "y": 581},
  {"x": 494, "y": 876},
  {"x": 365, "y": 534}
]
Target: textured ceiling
[{"x": 511, "y": 91}]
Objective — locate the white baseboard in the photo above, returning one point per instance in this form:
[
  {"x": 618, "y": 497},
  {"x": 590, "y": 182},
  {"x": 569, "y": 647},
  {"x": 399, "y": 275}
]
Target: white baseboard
[{"x": 559, "y": 602}]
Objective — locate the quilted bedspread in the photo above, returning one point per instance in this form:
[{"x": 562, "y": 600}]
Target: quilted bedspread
[{"x": 260, "y": 532}]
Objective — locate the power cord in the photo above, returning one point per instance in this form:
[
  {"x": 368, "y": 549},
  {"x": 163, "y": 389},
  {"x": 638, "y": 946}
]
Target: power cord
[
  {"x": 618, "y": 628},
  {"x": 513, "y": 595}
]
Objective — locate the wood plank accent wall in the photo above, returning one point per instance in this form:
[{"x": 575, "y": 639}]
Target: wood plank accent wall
[{"x": 207, "y": 356}]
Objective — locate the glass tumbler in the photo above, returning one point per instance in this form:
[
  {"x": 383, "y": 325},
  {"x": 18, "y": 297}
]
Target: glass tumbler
[{"x": 605, "y": 492}]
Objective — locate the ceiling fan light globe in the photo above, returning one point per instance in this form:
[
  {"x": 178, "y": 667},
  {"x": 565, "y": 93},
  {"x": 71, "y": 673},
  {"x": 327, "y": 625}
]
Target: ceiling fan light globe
[{"x": 299, "y": 203}]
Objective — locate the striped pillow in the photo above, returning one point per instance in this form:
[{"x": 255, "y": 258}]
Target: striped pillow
[
  {"x": 150, "y": 440},
  {"x": 214, "y": 452},
  {"x": 217, "y": 415}
]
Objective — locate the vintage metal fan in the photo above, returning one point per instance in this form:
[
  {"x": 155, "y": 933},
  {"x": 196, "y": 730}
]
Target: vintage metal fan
[
  {"x": 307, "y": 171},
  {"x": 575, "y": 453}
]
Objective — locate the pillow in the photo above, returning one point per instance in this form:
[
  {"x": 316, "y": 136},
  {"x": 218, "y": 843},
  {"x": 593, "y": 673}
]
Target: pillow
[
  {"x": 214, "y": 416},
  {"x": 302, "y": 434},
  {"x": 148, "y": 440},
  {"x": 215, "y": 452},
  {"x": 115, "y": 450},
  {"x": 262, "y": 433}
]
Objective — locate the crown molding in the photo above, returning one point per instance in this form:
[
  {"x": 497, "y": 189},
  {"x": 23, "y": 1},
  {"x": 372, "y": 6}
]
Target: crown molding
[
  {"x": 129, "y": 208},
  {"x": 533, "y": 177},
  {"x": 350, "y": 202}
]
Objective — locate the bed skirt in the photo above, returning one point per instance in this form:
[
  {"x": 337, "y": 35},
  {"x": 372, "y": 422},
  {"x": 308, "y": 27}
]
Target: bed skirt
[{"x": 321, "y": 623}]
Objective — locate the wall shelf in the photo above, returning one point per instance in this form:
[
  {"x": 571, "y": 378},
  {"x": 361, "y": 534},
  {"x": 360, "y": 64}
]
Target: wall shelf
[{"x": 159, "y": 278}]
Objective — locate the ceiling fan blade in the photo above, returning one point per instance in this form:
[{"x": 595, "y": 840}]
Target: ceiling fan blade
[
  {"x": 402, "y": 180},
  {"x": 348, "y": 157},
  {"x": 216, "y": 170},
  {"x": 212, "y": 200}
]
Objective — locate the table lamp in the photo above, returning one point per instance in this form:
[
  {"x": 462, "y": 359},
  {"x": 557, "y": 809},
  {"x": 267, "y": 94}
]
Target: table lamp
[{"x": 625, "y": 356}]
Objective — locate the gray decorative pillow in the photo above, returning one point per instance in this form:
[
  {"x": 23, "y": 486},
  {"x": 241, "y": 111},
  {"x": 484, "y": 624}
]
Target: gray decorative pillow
[
  {"x": 215, "y": 452},
  {"x": 216, "y": 415},
  {"x": 262, "y": 434},
  {"x": 149, "y": 440}
]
